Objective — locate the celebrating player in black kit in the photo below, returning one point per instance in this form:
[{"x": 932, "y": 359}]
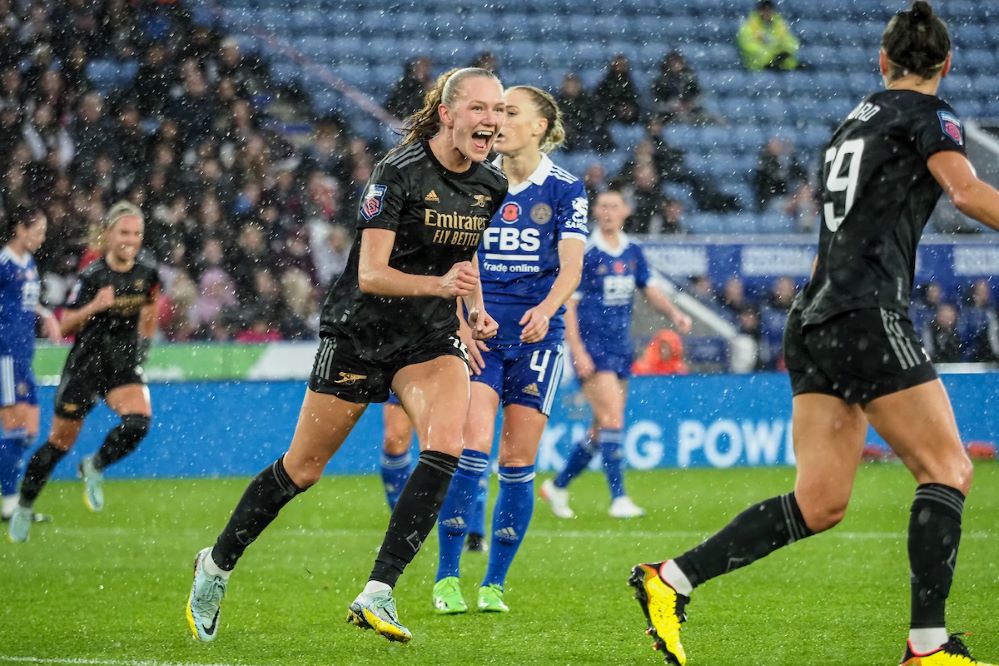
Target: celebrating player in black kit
[
  {"x": 853, "y": 356},
  {"x": 112, "y": 313},
  {"x": 390, "y": 321}
]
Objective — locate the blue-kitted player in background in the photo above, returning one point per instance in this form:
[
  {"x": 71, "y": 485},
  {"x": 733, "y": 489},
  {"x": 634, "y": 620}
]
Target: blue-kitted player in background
[
  {"x": 598, "y": 330},
  {"x": 530, "y": 261},
  {"x": 20, "y": 291}
]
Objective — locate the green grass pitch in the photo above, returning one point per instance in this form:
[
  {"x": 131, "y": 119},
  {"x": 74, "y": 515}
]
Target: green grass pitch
[{"x": 110, "y": 588}]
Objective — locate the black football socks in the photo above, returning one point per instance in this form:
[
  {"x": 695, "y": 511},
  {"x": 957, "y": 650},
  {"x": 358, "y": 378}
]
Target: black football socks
[
  {"x": 753, "y": 534},
  {"x": 260, "y": 504},
  {"x": 122, "y": 440},
  {"x": 38, "y": 472},
  {"x": 414, "y": 515},
  {"x": 934, "y": 535}
]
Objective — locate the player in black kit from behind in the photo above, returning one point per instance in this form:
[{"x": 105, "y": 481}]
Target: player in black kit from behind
[
  {"x": 112, "y": 313},
  {"x": 853, "y": 356},
  {"x": 391, "y": 321}
]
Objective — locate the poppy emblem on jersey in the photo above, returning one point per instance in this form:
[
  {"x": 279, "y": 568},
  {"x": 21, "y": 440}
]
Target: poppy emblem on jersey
[
  {"x": 510, "y": 212},
  {"x": 372, "y": 203},
  {"x": 951, "y": 126},
  {"x": 619, "y": 267},
  {"x": 541, "y": 213},
  {"x": 481, "y": 200}
]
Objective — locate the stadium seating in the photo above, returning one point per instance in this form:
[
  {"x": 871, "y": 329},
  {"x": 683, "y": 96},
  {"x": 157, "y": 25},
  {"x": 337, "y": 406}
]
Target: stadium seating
[{"x": 364, "y": 43}]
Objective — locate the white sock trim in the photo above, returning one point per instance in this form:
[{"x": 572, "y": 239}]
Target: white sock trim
[
  {"x": 678, "y": 580},
  {"x": 375, "y": 586},
  {"x": 923, "y": 641},
  {"x": 212, "y": 569},
  {"x": 8, "y": 505}
]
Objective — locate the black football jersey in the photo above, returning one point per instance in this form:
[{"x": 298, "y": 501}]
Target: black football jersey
[
  {"x": 438, "y": 217},
  {"x": 877, "y": 195},
  {"x": 111, "y": 336}
]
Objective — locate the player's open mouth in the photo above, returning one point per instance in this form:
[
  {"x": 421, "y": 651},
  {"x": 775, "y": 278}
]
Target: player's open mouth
[{"x": 481, "y": 139}]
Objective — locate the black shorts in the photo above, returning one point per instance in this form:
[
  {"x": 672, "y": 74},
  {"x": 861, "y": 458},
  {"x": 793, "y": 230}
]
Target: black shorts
[
  {"x": 856, "y": 356},
  {"x": 353, "y": 374},
  {"x": 80, "y": 389}
]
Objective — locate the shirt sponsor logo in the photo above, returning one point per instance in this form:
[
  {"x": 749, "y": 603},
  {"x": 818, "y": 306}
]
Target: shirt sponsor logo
[
  {"x": 371, "y": 205},
  {"x": 541, "y": 213},
  {"x": 951, "y": 126},
  {"x": 432, "y": 197},
  {"x": 510, "y": 212}
]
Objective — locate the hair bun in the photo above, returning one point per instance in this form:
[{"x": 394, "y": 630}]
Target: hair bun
[{"x": 921, "y": 10}]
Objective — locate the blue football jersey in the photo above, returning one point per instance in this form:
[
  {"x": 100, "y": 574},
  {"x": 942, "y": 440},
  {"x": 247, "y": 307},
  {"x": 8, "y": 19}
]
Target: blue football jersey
[
  {"x": 605, "y": 297},
  {"x": 518, "y": 256},
  {"x": 20, "y": 288}
]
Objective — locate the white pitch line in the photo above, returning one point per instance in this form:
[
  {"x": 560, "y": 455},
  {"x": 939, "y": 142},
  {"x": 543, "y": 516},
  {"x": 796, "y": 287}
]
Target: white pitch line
[
  {"x": 101, "y": 662},
  {"x": 543, "y": 534}
]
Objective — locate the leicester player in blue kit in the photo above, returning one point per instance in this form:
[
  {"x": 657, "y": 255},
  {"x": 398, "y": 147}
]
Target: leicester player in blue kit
[
  {"x": 20, "y": 288},
  {"x": 530, "y": 258},
  {"x": 598, "y": 326}
]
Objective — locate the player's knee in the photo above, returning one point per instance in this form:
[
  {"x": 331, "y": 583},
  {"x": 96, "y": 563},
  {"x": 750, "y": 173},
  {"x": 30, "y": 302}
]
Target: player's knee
[
  {"x": 823, "y": 515},
  {"x": 395, "y": 445},
  {"x": 134, "y": 427},
  {"x": 303, "y": 476}
]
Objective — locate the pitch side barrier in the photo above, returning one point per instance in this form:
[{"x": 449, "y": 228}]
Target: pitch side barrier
[{"x": 234, "y": 428}]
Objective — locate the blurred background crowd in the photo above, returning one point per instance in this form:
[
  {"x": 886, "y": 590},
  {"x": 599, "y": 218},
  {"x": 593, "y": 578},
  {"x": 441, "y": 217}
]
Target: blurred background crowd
[{"x": 250, "y": 193}]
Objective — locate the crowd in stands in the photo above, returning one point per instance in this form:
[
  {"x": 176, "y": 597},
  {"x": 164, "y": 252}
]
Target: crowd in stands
[{"x": 249, "y": 225}]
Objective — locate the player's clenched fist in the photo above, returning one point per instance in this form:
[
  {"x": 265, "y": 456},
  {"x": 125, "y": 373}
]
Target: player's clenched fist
[{"x": 461, "y": 280}]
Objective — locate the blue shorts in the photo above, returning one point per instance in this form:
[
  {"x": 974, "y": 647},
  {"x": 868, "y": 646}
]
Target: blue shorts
[
  {"x": 17, "y": 382},
  {"x": 619, "y": 364},
  {"x": 525, "y": 375}
]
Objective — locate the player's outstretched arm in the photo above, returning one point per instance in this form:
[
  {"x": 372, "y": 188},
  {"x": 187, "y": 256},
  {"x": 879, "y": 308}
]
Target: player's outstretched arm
[
  {"x": 972, "y": 196},
  {"x": 661, "y": 302}
]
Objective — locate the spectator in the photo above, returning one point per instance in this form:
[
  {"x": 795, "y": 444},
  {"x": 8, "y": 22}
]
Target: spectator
[
  {"x": 594, "y": 180},
  {"x": 331, "y": 247},
  {"x": 618, "y": 92},
  {"x": 45, "y": 137},
  {"x": 924, "y": 307},
  {"x": 980, "y": 325},
  {"x": 779, "y": 175},
  {"x": 486, "y": 60},
  {"x": 663, "y": 356},
  {"x": 192, "y": 106},
  {"x": 676, "y": 93},
  {"x": 672, "y": 166},
  {"x": 406, "y": 96},
  {"x": 217, "y": 294},
  {"x": 765, "y": 41},
  {"x": 669, "y": 218},
  {"x": 733, "y": 299},
  {"x": 702, "y": 289},
  {"x": 92, "y": 131},
  {"x": 940, "y": 335},
  {"x": 153, "y": 81},
  {"x": 773, "y": 317},
  {"x": 643, "y": 197},
  {"x": 585, "y": 121}
]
